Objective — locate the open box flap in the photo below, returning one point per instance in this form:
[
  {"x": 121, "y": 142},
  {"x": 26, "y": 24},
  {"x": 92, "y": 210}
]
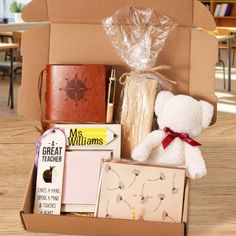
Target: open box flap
[
  {"x": 35, "y": 52},
  {"x": 185, "y": 13},
  {"x": 202, "y": 17},
  {"x": 35, "y": 11},
  {"x": 192, "y": 61},
  {"x": 202, "y": 67},
  {"x": 89, "y": 49},
  {"x": 190, "y": 53}
]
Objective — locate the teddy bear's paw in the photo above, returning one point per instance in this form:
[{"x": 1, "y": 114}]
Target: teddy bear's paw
[
  {"x": 139, "y": 154},
  {"x": 193, "y": 174}
]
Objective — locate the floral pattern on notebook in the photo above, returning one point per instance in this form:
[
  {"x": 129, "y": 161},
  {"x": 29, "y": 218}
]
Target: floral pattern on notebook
[{"x": 141, "y": 192}]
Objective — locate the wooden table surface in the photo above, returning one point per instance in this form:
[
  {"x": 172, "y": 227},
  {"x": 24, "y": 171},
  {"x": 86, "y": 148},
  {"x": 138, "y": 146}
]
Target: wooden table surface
[
  {"x": 221, "y": 38},
  {"x": 6, "y": 34},
  {"x": 212, "y": 210},
  {"x": 232, "y": 29},
  {"x": 20, "y": 26},
  {"x": 5, "y": 46}
]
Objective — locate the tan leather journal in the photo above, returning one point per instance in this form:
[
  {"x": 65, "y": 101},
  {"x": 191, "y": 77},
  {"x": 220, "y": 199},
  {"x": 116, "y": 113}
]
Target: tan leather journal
[{"x": 76, "y": 93}]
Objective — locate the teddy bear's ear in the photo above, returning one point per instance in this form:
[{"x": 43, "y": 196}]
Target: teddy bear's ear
[
  {"x": 161, "y": 100},
  {"x": 207, "y": 113}
]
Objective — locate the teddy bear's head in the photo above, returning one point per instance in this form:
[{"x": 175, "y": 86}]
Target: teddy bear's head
[{"x": 182, "y": 113}]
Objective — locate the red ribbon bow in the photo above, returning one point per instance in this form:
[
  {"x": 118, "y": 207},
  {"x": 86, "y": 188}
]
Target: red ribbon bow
[{"x": 171, "y": 135}]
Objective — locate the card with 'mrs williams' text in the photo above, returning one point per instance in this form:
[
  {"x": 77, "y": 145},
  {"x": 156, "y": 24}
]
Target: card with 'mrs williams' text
[{"x": 100, "y": 137}]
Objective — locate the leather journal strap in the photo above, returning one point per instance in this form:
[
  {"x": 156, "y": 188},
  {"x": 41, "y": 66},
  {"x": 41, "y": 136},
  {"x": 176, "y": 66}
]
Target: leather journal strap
[
  {"x": 95, "y": 84},
  {"x": 41, "y": 113},
  {"x": 43, "y": 120}
]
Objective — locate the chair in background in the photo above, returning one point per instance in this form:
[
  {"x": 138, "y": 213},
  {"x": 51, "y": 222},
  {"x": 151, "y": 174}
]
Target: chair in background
[
  {"x": 5, "y": 66},
  {"x": 6, "y": 37},
  {"x": 233, "y": 46},
  {"x": 221, "y": 63},
  {"x": 224, "y": 46},
  {"x": 222, "y": 31},
  {"x": 14, "y": 37}
]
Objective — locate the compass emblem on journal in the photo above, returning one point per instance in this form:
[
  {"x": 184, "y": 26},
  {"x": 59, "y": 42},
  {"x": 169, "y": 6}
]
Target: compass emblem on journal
[{"x": 76, "y": 89}]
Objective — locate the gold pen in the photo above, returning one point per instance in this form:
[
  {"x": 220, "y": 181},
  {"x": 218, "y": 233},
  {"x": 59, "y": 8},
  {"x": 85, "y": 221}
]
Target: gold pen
[{"x": 111, "y": 97}]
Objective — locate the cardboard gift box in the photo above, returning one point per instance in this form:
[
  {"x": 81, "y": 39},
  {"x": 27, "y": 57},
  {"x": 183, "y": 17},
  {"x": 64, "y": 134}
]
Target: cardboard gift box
[
  {"x": 96, "y": 226},
  {"x": 73, "y": 34}
]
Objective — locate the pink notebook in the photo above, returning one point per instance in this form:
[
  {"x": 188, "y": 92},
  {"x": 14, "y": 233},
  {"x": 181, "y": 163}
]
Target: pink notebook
[{"x": 81, "y": 178}]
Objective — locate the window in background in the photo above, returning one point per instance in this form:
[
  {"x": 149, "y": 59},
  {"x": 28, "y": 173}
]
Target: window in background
[{"x": 5, "y": 11}]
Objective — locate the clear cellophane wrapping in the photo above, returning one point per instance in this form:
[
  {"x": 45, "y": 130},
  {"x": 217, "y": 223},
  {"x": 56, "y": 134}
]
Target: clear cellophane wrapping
[{"x": 138, "y": 36}]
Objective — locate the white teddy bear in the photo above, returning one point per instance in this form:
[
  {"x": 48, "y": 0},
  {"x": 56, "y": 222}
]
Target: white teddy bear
[{"x": 180, "y": 118}]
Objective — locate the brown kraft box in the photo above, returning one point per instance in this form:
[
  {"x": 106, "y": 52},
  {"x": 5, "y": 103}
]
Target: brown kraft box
[
  {"x": 96, "y": 226},
  {"x": 74, "y": 35}
]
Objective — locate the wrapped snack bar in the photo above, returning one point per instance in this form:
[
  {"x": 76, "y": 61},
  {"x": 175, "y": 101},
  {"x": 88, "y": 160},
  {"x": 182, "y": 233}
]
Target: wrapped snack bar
[{"x": 138, "y": 36}]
